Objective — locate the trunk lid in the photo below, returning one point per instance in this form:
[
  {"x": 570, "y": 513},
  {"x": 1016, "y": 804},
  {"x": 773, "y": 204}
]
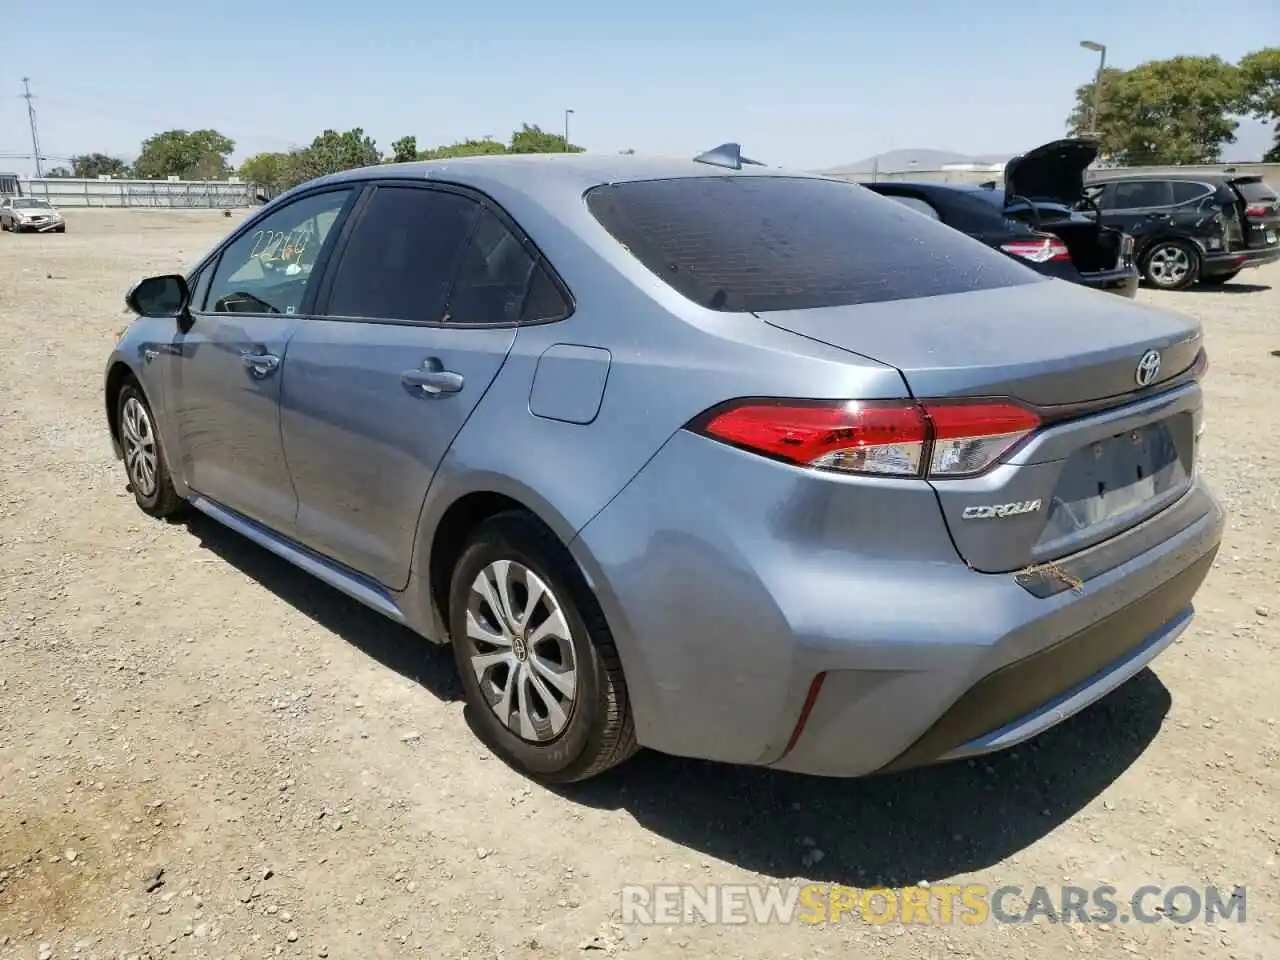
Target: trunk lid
[
  {"x": 1052, "y": 172},
  {"x": 1111, "y": 454}
]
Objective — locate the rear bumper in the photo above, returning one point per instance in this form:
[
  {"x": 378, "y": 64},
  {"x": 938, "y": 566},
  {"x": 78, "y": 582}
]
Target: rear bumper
[
  {"x": 1122, "y": 282},
  {"x": 730, "y": 585},
  {"x": 1217, "y": 263}
]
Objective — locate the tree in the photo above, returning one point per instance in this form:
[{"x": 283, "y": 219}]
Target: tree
[
  {"x": 533, "y": 139},
  {"x": 331, "y": 152},
  {"x": 464, "y": 148},
  {"x": 1172, "y": 111},
  {"x": 270, "y": 170},
  {"x": 190, "y": 155},
  {"x": 404, "y": 150},
  {"x": 93, "y": 165},
  {"x": 58, "y": 172},
  {"x": 1260, "y": 78}
]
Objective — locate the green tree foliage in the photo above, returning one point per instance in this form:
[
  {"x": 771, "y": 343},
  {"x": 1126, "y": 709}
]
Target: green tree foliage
[
  {"x": 188, "y": 154},
  {"x": 464, "y": 148},
  {"x": 1165, "y": 111},
  {"x": 58, "y": 172},
  {"x": 332, "y": 152},
  {"x": 94, "y": 165},
  {"x": 269, "y": 170},
  {"x": 533, "y": 139},
  {"x": 1260, "y": 77},
  {"x": 404, "y": 150}
]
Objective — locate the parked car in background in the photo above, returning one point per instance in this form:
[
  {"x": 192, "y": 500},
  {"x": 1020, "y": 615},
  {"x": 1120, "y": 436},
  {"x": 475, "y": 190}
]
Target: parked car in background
[
  {"x": 28, "y": 213},
  {"x": 1191, "y": 228},
  {"x": 730, "y": 462},
  {"x": 1032, "y": 218}
]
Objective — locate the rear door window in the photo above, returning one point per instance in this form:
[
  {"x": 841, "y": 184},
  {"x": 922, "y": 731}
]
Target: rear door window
[
  {"x": 762, "y": 243},
  {"x": 1187, "y": 191},
  {"x": 402, "y": 255},
  {"x": 1136, "y": 194}
]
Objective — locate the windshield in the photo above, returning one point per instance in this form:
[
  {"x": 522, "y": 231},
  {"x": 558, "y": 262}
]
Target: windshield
[{"x": 22, "y": 203}]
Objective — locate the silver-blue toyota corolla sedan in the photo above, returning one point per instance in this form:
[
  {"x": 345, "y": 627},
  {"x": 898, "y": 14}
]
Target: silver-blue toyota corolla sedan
[{"x": 695, "y": 455}]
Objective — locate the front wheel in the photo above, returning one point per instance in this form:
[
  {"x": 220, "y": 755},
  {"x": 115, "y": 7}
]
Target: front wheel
[
  {"x": 144, "y": 457},
  {"x": 1171, "y": 265},
  {"x": 1218, "y": 279},
  {"x": 537, "y": 661}
]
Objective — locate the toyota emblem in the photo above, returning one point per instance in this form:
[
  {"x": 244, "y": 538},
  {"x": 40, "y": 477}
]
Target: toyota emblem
[{"x": 1148, "y": 368}]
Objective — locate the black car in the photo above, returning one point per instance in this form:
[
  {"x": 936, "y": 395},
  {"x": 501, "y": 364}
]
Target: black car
[
  {"x": 1034, "y": 218},
  {"x": 1189, "y": 227}
]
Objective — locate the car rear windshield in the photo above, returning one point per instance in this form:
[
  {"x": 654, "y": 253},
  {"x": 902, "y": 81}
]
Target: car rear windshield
[
  {"x": 764, "y": 243},
  {"x": 1255, "y": 191}
]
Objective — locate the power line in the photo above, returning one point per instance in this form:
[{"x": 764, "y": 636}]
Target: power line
[{"x": 31, "y": 116}]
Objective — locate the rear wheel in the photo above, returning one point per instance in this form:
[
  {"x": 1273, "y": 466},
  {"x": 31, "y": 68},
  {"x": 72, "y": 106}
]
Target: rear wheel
[
  {"x": 537, "y": 662},
  {"x": 1218, "y": 279},
  {"x": 1171, "y": 265},
  {"x": 144, "y": 457}
]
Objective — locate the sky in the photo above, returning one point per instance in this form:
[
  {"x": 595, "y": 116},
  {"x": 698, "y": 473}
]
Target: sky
[{"x": 811, "y": 84}]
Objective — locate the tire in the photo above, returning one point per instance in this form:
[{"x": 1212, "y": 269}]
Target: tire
[
  {"x": 593, "y": 729},
  {"x": 61, "y": 229},
  {"x": 148, "y": 468},
  {"x": 1171, "y": 265},
  {"x": 1218, "y": 279}
]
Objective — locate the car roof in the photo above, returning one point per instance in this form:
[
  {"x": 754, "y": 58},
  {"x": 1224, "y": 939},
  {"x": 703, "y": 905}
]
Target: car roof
[
  {"x": 551, "y": 173},
  {"x": 1108, "y": 177}
]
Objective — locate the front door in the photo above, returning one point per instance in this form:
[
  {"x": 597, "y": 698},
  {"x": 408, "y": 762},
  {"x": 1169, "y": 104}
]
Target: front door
[
  {"x": 228, "y": 366},
  {"x": 379, "y": 386}
]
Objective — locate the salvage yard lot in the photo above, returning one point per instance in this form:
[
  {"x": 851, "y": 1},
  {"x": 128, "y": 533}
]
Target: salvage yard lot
[{"x": 172, "y": 697}]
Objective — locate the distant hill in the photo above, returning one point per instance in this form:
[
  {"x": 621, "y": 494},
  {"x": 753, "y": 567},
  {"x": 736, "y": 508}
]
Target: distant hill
[{"x": 900, "y": 161}]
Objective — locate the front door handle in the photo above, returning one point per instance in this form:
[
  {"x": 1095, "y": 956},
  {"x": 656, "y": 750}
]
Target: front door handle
[
  {"x": 432, "y": 380},
  {"x": 260, "y": 364}
]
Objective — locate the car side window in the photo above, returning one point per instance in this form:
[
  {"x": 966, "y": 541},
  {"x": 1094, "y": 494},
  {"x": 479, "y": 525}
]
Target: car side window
[
  {"x": 1135, "y": 194},
  {"x": 500, "y": 280},
  {"x": 200, "y": 288},
  {"x": 1186, "y": 191},
  {"x": 916, "y": 204},
  {"x": 402, "y": 255},
  {"x": 266, "y": 269}
]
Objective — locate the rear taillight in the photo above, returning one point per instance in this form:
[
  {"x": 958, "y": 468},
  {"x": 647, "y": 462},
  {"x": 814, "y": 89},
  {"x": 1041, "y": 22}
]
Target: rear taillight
[
  {"x": 905, "y": 438},
  {"x": 1257, "y": 209},
  {"x": 1038, "y": 251}
]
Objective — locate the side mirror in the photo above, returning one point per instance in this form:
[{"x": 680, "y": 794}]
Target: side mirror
[{"x": 163, "y": 296}]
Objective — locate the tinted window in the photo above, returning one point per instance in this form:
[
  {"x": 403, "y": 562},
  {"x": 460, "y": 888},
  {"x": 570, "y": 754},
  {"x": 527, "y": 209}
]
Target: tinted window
[
  {"x": 1141, "y": 193},
  {"x": 916, "y": 204},
  {"x": 402, "y": 255},
  {"x": 1185, "y": 191},
  {"x": 760, "y": 243},
  {"x": 544, "y": 301},
  {"x": 493, "y": 276},
  {"x": 1255, "y": 191},
  {"x": 266, "y": 269}
]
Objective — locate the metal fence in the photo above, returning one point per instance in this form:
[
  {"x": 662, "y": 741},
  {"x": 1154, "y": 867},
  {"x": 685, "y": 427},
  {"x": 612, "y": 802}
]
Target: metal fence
[
  {"x": 1268, "y": 171},
  {"x": 178, "y": 194}
]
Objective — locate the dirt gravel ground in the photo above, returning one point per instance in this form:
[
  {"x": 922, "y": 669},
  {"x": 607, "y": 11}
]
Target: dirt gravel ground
[{"x": 173, "y": 698}]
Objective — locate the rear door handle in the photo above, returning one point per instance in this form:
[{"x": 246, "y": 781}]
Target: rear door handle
[
  {"x": 260, "y": 364},
  {"x": 433, "y": 380}
]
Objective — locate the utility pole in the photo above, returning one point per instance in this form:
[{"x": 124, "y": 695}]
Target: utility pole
[
  {"x": 1101, "y": 51},
  {"x": 28, "y": 96},
  {"x": 566, "y": 130}
]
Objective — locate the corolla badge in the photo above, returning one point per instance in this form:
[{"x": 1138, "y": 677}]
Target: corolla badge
[
  {"x": 1148, "y": 368},
  {"x": 998, "y": 511}
]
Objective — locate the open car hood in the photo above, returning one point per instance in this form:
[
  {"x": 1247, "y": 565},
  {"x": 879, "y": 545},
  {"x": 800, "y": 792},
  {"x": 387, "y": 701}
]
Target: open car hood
[{"x": 1053, "y": 172}]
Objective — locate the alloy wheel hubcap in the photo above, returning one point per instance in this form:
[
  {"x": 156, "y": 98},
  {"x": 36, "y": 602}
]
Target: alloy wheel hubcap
[
  {"x": 521, "y": 650},
  {"x": 140, "y": 457},
  {"x": 1170, "y": 265}
]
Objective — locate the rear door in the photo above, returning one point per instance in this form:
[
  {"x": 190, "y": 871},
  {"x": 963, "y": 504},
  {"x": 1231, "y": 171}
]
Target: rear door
[
  {"x": 1140, "y": 208},
  {"x": 415, "y": 320}
]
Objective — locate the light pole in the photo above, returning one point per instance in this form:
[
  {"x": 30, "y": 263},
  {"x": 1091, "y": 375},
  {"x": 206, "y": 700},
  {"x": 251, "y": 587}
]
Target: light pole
[
  {"x": 566, "y": 130},
  {"x": 1101, "y": 51}
]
